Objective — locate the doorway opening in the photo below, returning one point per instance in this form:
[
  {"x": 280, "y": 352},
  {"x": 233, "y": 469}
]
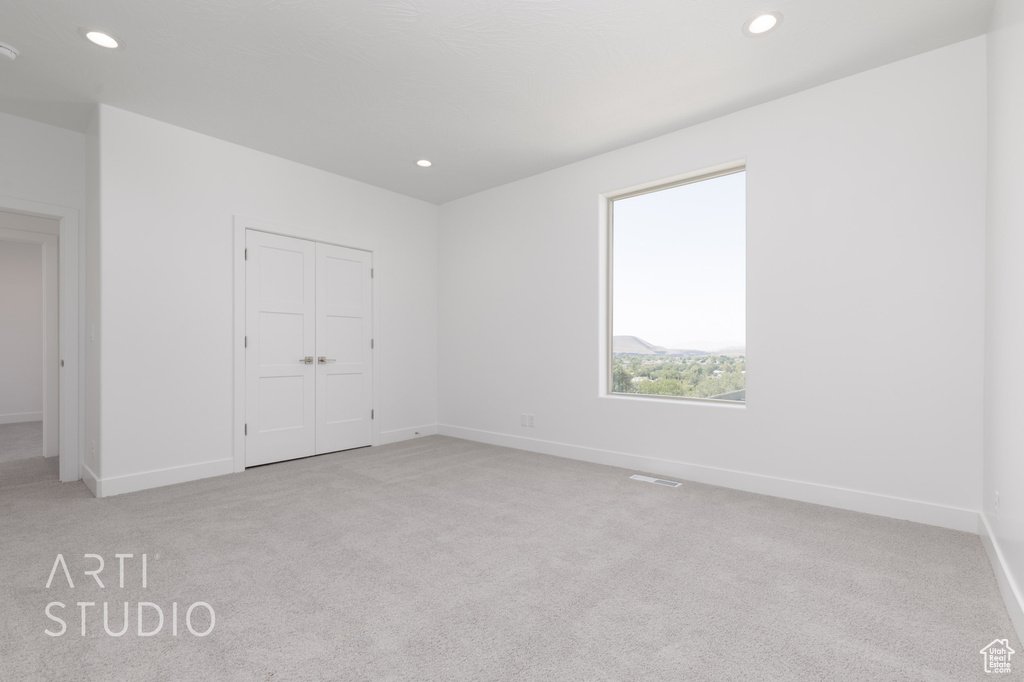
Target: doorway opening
[
  {"x": 29, "y": 336},
  {"x": 39, "y": 365}
]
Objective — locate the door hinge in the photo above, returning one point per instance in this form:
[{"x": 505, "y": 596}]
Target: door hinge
[
  {"x": 371, "y": 414},
  {"x": 247, "y": 254},
  {"x": 371, "y": 343},
  {"x": 371, "y": 273},
  {"x": 247, "y": 342},
  {"x": 247, "y": 429}
]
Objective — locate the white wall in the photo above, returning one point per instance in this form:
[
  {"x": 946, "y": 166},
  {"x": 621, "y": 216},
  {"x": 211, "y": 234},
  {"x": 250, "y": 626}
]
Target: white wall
[
  {"x": 41, "y": 163},
  {"x": 866, "y": 203},
  {"x": 21, "y": 331},
  {"x": 1004, "y": 348},
  {"x": 168, "y": 197}
]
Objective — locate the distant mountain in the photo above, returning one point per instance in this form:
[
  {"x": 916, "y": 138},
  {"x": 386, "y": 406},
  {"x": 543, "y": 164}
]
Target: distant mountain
[{"x": 634, "y": 345}]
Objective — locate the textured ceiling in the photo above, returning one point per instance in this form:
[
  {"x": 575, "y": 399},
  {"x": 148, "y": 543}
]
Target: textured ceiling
[{"x": 490, "y": 90}]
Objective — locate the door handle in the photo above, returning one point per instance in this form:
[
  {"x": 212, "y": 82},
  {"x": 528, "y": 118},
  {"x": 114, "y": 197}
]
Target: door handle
[
  {"x": 308, "y": 360},
  {"x": 323, "y": 360}
]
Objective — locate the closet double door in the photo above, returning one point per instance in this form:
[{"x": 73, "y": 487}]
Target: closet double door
[{"x": 309, "y": 348}]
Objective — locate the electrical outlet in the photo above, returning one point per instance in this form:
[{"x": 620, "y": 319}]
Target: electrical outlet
[
  {"x": 522, "y": 420},
  {"x": 995, "y": 503},
  {"x": 529, "y": 420}
]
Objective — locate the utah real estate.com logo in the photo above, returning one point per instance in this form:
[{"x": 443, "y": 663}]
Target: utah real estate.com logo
[
  {"x": 997, "y": 656},
  {"x": 150, "y": 616}
]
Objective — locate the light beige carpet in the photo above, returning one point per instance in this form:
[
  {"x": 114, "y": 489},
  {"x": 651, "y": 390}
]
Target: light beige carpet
[
  {"x": 21, "y": 440},
  {"x": 441, "y": 559},
  {"x": 21, "y": 472}
]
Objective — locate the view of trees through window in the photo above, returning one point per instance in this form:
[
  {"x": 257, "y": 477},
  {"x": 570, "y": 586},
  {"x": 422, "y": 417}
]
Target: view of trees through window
[{"x": 679, "y": 290}]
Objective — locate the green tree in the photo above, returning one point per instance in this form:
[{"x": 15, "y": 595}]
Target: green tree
[
  {"x": 662, "y": 387},
  {"x": 622, "y": 380}
]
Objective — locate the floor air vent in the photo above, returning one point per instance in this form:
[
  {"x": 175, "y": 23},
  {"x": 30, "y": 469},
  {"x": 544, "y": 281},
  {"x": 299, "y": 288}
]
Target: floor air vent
[{"x": 659, "y": 481}]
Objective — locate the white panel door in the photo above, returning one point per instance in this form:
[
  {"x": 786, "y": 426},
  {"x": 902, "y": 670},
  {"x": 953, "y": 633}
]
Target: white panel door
[
  {"x": 344, "y": 333},
  {"x": 280, "y": 327}
]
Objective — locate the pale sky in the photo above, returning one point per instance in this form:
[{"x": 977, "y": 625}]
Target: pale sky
[{"x": 679, "y": 265}]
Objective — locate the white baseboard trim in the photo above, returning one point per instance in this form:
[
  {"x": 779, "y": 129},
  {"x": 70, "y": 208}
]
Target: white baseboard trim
[
  {"x": 399, "y": 435},
  {"x": 1012, "y": 594},
  {"x": 803, "y": 491},
  {"x": 90, "y": 480},
  {"x": 130, "y": 483},
  {"x": 18, "y": 417}
]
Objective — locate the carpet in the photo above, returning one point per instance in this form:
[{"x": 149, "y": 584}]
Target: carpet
[
  {"x": 443, "y": 559},
  {"x": 21, "y": 440}
]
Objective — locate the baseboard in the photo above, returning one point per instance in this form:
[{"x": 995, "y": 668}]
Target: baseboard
[
  {"x": 1012, "y": 594},
  {"x": 130, "y": 483},
  {"x": 399, "y": 435},
  {"x": 91, "y": 480},
  {"x": 19, "y": 417},
  {"x": 803, "y": 491}
]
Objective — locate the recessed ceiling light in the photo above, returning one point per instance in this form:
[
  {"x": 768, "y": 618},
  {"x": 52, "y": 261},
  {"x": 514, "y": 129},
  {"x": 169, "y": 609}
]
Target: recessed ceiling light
[
  {"x": 102, "y": 39},
  {"x": 8, "y": 51},
  {"x": 423, "y": 163},
  {"x": 762, "y": 23}
]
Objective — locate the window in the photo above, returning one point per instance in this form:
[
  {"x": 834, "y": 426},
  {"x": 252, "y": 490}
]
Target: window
[{"x": 677, "y": 313}]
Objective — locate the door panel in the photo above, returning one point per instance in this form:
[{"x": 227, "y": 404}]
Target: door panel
[
  {"x": 344, "y": 398},
  {"x": 281, "y": 272},
  {"x": 280, "y": 321},
  {"x": 344, "y": 339},
  {"x": 281, "y": 403},
  {"x": 280, "y": 335},
  {"x": 344, "y": 285},
  {"x": 344, "y": 330}
]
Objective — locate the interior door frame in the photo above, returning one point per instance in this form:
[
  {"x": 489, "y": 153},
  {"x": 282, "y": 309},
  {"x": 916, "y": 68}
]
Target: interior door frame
[
  {"x": 241, "y": 224},
  {"x": 71, "y": 256}
]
